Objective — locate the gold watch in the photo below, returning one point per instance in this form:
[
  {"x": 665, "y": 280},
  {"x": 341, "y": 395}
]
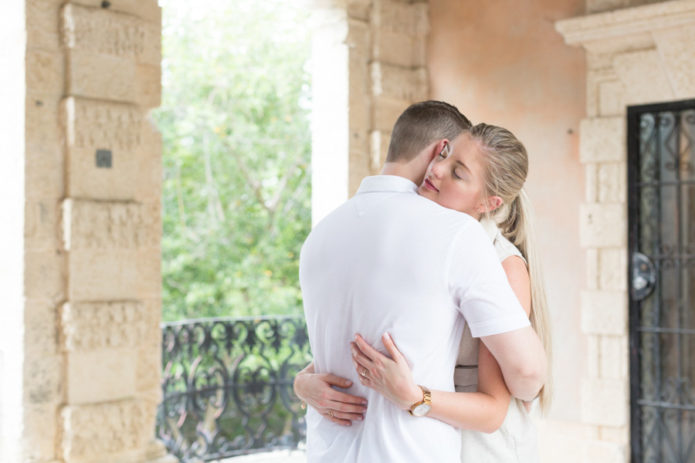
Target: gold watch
[{"x": 424, "y": 406}]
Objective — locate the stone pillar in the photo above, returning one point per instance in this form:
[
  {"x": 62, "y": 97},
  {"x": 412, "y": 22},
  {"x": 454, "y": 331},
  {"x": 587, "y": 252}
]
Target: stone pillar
[
  {"x": 635, "y": 55},
  {"x": 81, "y": 360},
  {"x": 369, "y": 65},
  {"x": 111, "y": 222}
]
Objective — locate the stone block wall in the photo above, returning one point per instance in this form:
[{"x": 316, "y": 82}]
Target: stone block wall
[
  {"x": 397, "y": 72},
  {"x": 369, "y": 58},
  {"x": 632, "y": 59},
  {"x": 90, "y": 346}
]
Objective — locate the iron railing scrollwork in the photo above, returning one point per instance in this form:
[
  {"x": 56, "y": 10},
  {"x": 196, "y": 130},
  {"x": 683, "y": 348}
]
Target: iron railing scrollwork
[{"x": 227, "y": 386}]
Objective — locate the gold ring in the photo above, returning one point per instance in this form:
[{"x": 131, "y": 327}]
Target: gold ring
[
  {"x": 364, "y": 372},
  {"x": 330, "y": 413}
]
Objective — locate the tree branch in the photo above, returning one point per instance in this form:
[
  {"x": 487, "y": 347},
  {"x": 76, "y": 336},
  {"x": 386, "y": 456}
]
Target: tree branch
[{"x": 246, "y": 173}]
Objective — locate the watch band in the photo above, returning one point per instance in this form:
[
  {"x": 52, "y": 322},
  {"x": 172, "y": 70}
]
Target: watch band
[{"x": 426, "y": 399}]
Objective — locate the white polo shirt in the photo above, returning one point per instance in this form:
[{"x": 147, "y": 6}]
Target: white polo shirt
[{"x": 390, "y": 260}]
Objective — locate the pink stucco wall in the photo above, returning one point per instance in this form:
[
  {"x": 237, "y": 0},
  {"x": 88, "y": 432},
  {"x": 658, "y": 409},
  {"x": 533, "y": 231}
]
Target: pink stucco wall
[{"x": 502, "y": 62}]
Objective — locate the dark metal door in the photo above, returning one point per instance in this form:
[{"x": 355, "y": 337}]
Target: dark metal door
[{"x": 661, "y": 205}]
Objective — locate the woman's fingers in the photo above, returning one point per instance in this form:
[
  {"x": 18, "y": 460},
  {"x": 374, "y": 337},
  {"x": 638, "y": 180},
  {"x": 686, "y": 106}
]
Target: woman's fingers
[
  {"x": 348, "y": 408},
  {"x": 347, "y": 398},
  {"x": 391, "y": 347},
  {"x": 356, "y": 349},
  {"x": 342, "y": 418},
  {"x": 337, "y": 380},
  {"x": 348, "y": 416},
  {"x": 368, "y": 350},
  {"x": 330, "y": 417},
  {"x": 340, "y": 401},
  {"x": 359, "y": 357}
]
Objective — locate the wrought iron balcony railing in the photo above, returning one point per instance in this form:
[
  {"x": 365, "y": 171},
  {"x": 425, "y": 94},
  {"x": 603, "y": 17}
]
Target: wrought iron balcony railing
[{"x": 227, "y": 385}]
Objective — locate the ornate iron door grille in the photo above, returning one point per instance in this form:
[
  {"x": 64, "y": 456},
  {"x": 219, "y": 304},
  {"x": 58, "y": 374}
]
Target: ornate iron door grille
[{"x": 661, "y": 223}]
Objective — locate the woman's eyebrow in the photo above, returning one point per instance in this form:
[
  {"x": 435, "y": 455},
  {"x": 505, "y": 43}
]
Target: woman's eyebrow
[{"x": 463, "y": 165}]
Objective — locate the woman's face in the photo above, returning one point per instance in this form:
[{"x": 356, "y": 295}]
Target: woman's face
[{"x": 457, "y": 180}]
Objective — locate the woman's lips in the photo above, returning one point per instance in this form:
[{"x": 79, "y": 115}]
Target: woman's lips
[{"x": 430, "y": 186}]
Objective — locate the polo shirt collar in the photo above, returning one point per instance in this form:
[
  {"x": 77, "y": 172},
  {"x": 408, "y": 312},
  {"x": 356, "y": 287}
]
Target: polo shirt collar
[{"x": 386, "y": 183}]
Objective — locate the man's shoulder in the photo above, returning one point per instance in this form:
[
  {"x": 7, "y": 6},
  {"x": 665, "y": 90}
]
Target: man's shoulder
[
  {"x": 399, "y": 207},
  {"x": 415, "y": 203},
  {"x": 329, "y": 224},
  {"x": 444, "y": 216},
  {"x": 470, "y": 232},
  {"x": 337, "y": 214}
]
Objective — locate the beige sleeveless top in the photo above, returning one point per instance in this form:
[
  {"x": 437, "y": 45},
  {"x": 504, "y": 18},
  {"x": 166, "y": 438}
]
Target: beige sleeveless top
[
  {"x": 466, "y": 372},
  {"x": 516, "y": 440}
]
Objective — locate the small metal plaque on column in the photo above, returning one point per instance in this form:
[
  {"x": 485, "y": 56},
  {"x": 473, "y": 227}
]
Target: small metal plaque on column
[{"x": 104, "y": 159}]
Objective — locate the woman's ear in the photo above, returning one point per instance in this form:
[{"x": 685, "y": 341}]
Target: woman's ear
[{"x": 492, "y": 203}]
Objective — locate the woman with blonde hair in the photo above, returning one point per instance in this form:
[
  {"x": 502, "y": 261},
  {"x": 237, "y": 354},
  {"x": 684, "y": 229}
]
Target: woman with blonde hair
[{"x": 485, "y": 180}]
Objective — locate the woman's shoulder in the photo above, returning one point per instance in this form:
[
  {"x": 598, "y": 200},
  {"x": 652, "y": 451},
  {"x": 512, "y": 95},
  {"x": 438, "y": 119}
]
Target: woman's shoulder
[
  {"x": 506, "y": 249},
  {"x": 503, "y": 246}
]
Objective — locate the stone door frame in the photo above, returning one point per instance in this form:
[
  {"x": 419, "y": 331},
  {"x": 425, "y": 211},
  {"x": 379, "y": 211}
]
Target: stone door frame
[{"x": 635, "y": 56}]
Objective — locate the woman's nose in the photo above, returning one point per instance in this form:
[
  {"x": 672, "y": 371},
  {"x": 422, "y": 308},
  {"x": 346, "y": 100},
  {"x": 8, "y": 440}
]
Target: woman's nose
[{"x": 437, "y": 169}]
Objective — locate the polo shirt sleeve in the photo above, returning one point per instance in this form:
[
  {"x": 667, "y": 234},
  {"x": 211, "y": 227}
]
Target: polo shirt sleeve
[{"x": 479, "y": 285}]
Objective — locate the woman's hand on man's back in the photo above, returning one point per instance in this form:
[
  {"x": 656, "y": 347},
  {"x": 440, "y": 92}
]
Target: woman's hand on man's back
[{"x": 337, "y": 406}]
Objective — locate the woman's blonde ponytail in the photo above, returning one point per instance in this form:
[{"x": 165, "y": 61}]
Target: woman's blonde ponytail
[
  {"x": 507, "y": 168},
  {"x": 520, "y": 232}
]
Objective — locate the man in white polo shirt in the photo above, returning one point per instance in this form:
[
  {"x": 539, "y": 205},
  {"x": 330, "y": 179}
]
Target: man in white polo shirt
[{"x": 391, "y": 261}]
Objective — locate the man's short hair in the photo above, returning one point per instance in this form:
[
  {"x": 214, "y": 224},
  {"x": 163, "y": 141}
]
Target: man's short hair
[{"x": 422, "y": 124}]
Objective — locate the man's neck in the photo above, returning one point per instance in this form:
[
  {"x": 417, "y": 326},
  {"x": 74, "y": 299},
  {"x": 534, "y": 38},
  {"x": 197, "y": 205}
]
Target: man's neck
[{"x": 400, "y": 170}]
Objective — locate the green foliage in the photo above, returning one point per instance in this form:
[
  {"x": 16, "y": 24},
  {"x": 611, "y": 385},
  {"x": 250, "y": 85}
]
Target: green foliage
[{"x": 235, "y": 126}]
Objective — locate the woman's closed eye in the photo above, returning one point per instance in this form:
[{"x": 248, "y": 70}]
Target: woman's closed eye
[{"x": 459, "y": 175}]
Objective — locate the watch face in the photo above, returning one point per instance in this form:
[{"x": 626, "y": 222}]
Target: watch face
[{"x": 421, "y": 410}]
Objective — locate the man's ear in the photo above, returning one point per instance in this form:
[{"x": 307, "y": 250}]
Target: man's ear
[{"x": 440, "y": 147}]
